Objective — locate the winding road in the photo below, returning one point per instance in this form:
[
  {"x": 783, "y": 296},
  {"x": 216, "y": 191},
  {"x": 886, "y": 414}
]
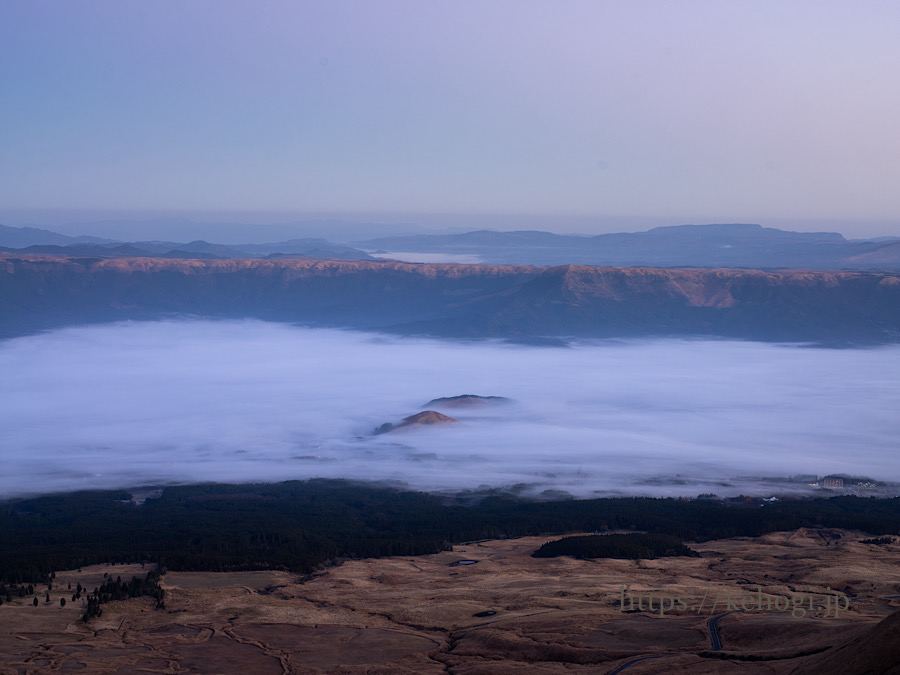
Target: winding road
[
  {"x": 712, "y": 624},
  {"x": 714, "y": 631},
  {"x": 633, "y": 661}
]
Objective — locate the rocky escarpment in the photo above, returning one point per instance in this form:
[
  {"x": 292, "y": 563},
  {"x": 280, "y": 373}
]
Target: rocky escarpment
[{"x": 511, "y": 301}]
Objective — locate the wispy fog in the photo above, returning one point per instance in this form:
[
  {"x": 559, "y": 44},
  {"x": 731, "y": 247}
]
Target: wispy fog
[{"x": 149, "y": 403}]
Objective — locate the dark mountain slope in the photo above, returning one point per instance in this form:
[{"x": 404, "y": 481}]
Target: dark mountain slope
[
  {"x": 819, "y": 306},
  {"x": 38, "y": 292},
  {"x": 832, "y": 307}
]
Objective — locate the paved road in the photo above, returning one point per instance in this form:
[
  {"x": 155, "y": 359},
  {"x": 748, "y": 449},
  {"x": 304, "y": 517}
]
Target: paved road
[
  {"x": 713, "y": 630},
  {"x": 712, "y": 624},
  {"x": 633, "y": 661}
]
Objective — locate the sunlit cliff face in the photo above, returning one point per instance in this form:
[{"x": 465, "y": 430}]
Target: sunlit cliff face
[{"x": 159, "y": 402}]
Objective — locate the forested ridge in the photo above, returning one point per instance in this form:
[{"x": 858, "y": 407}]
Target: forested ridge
[{"x": 299, "y": 525}]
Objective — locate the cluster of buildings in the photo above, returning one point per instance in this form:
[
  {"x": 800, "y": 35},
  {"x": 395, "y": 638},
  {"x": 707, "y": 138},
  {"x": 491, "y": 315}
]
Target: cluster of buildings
[{"x": 837, "y": 482}]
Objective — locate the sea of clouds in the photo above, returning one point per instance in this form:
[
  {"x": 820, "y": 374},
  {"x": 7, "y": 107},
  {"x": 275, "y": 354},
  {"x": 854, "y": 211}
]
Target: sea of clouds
[{"x": 150, "y": 403}]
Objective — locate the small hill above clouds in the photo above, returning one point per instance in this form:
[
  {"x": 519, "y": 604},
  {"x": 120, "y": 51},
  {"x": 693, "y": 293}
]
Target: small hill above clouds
[
  {"x": 426, "y": 417},
  {"x": 467, "y": 401}
]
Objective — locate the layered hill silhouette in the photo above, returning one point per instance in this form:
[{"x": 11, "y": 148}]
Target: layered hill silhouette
[
  {"x": 508, "y": 301},
  {"x": 313, "y": 249},
  {"x": 717, "y": 245},
  {"x": 723, "y": 245}
]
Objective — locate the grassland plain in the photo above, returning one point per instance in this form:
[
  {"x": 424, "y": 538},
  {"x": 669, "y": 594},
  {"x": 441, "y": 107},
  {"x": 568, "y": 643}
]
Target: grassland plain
[{"x": 506, "y": 612}]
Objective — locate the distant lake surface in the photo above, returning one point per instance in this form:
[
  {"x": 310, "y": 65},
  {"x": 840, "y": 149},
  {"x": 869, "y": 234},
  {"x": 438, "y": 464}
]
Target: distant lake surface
[{"x": 131, "y": 404}]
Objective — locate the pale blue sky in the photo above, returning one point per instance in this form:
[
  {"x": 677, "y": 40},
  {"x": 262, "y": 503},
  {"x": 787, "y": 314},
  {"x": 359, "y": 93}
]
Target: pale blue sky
[{"x": 783, "y": 113}]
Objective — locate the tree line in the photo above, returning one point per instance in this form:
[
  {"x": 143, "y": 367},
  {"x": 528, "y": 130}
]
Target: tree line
[
  {"x": 301, "y": 525},
  {"x": 119, "y": 590}
]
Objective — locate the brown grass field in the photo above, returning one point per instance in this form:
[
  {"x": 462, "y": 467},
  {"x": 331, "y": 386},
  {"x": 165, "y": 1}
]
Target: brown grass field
[{"x": 557, "y": 615}]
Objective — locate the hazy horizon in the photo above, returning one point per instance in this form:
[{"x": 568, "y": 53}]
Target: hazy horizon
[
  {"x": 134, "y": 404},
  {"x": 259, "y": 227},
  {"x": 646, "y": 113}
]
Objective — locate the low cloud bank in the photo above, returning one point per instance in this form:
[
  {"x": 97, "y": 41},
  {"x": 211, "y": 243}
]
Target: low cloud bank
[{"x": 176, "y": 402}]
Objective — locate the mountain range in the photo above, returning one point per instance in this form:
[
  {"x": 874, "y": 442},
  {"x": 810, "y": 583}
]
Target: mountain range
[
  {"x": 518, "y": 302},
  {"x": 34, "y": 241},
  {"x": 725, "y": 245}
]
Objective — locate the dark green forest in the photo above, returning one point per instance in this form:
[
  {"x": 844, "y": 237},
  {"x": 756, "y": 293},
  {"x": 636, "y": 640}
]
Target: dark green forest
[
  {"x": 123, "y": 590},
  {"x": 302, "y": 525},
  {"x": 632, "y": 545}
]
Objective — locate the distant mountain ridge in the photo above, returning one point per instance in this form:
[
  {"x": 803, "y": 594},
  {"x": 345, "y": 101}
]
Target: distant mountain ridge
[
  {"x": 20, "y": 237},
  {"x": 454, "y": 300},
  {"x": 34, "y": 241},
  {"x": 734, "y": 245},
  {"x": 717, "y": 245}
]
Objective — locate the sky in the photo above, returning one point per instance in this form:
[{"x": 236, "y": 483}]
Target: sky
[
  {"x": 585, "y": 115},
  {"x": 138, "y": 403}
]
